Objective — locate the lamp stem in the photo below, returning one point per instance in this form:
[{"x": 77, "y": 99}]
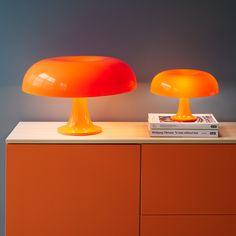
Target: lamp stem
[
  {"x": 184, "y": 107},
  {"x": 184, "y": 112},
  {"x": 79, "y": 113},
  {"x": 79, "y": 122}
]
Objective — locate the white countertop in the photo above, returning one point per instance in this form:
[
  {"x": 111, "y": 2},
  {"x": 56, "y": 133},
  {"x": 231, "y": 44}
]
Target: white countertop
[{"x": 113, "y": 132}]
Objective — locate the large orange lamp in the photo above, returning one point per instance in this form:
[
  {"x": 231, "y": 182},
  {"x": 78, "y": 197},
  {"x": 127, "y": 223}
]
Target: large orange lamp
[
  {"x": 184, "y": 84},
  {"x": 79, "y": 77}
]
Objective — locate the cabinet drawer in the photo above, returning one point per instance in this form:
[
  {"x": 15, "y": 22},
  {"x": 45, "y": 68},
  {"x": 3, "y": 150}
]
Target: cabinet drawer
[
  {"x": 217, "y": 225},
  {"x": 72, "y": 190},
  {"x": 188, "y": 179}
]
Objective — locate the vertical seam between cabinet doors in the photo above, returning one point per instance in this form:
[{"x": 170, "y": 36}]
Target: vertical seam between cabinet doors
[{"x": 140, "y": 188}]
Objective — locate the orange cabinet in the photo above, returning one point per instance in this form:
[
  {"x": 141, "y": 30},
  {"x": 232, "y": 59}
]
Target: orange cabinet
[
  {"x": 188, "y": 179},
  {"x": 189, "y": 225},
  {"x": 62, "y": 190},
  {"x": 119, "y": 182},
  {"x": 188, "y": 189}
]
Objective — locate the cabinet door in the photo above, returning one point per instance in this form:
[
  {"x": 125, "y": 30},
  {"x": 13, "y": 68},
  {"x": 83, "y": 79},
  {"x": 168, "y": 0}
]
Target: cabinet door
[
  {"x": 72, "y": 190},
  {"x": 189, "y": 179},
  {"x": 199, "y": 225}
]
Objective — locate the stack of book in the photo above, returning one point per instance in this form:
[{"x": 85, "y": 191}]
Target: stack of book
[{"x": 161, "y": 125}]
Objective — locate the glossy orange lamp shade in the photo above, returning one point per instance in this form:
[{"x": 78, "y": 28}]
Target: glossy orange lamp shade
[
  {"x": 184, "y": 84},
  {"x": 79, "y": 77}
]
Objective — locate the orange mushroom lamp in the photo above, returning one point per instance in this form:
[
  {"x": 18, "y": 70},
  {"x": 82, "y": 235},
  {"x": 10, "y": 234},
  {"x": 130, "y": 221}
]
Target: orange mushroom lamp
[
  {"x": 79, "y": 77},
  {"x": 184, "y": 84}
]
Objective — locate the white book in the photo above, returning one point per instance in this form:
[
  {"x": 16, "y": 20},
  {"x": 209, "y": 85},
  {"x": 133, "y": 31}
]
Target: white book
[
  {"x": 163, "y": 121},
  {"x": 184, "y": 133}
]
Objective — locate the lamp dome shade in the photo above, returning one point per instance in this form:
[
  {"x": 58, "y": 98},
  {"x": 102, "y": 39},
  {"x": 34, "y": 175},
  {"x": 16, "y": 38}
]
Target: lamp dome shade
[
  {"x": 184, "y": 83},
  {"x": 79, "y": 76}
]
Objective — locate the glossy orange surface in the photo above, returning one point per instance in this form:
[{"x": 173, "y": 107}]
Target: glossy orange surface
[
  {"x": 79, "y": 122},
  {"x": 184, "y": 112},
  {"x": 79, "y": 76},
  {"x": 184, "y": 83}
]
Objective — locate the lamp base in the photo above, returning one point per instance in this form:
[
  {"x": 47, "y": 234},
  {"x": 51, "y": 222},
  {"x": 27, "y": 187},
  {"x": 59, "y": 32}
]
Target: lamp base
[
  {"x": 184, "y": 113},
  {"x": 79, "y": 131},
  {"x": 79, "y": 122},
  {"x": 189, "y": 118}
]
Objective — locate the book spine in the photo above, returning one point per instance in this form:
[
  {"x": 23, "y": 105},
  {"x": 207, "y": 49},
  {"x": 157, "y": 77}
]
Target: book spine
[
  {"x": 183, "y": 126},
  {"x": 184, "y": 133}
]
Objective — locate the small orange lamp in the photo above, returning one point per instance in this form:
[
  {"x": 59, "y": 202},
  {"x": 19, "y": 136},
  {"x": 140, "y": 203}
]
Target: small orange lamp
[
  {"x": 184, "y": 84},
  {"x": 79, "y": 77}
]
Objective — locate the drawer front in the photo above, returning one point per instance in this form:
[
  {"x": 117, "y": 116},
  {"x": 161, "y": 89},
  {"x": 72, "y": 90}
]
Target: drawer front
[
  {"x": 218, "y": 225},
  {"x": 72, "y": 190},
  {"x": 188, "y": 179}
]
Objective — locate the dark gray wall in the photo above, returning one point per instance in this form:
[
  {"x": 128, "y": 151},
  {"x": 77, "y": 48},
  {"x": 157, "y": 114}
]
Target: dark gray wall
[{"x": 150, "y": 35}]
